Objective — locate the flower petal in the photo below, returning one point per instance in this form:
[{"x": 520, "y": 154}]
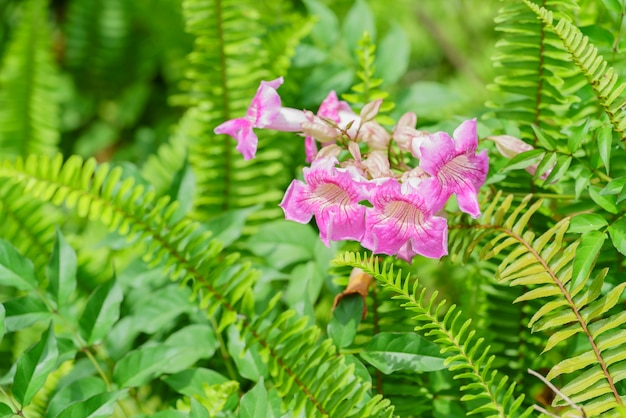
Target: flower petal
[
  {"x": 333, "y": 196},
  {"x": 403, "y": 224},
  {"x": 266, "y": 104},
  {"x": 435, "y": 151},
  {"x": 465, "y": 137},
  {"x": 241, "y": 130}
]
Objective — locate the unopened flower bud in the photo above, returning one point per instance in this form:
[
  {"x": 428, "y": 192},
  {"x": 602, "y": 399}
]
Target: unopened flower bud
[
  {"x": 374, "y": 135},
  {"x": 370, "y": 110}
]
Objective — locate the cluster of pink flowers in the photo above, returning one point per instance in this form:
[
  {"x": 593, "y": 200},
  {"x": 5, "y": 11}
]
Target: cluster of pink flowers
[{"x": 370, "y": 193}]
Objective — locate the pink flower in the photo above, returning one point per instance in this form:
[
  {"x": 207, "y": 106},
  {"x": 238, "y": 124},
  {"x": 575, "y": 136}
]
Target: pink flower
[
  {"x": 331, "y": 194},
  {"x": 404, "y": 131},
  {"x": 265, "y": 111},
  {"x": 402, "y": 222},
  {"x": 456, "y": 167},
  {"x": 317, "y": 126}
]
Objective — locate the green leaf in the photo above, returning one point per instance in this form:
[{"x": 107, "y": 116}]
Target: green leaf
[
  {"x": 182, "y": 190},
  {"x": 605, "y": 141},
  {"x": 247, "y": 359},
  {"x": 615, "y": 186},
  {"x": 62, "y": 271},
  {"x": 101, "y": 312},
  {"x": 390, "y": 352},
  {"x": 562, "y": 164},
  {"x": 547, "y": 163},
  {"x": 524, "y": 159},
  {"x": 189, "y": 382},
  {"x": 543, "y": 140},
  {"x": 617, "y": 231},
  {"x": 181, "y": 350},
  {"x": 79, "y": 390},
  {"x": 97, "y": 406},
  {"x": 358, "y": 20},
  {"x": 586, "y": 222},
  {"x": 197, "y": 410},
  {"x": 606, "y": 202},
  {"x": 34, "y": 366},
  {"x": 255, "y": 403},
  {"x": 2, "y": 315},
  {"x": 586, "y": 254},
  {"x": 326, "y": 30},
  {"x": 228, "y": 226},
  {"x": 614, "y": 6},
  {"x": 392, "y": 55},
  {"x": 16, "y": 270},
  {"x": 282, "y": 243},
  {"x": 345, "y": 321},
  {"x": 23, "y": 312},
  {"x": 576, "y": 135},
  {"x": 6, "y": 411},
  {"x": 158, "y": 310}
]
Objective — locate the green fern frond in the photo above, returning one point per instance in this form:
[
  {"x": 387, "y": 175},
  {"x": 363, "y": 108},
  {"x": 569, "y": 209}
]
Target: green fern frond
[
  {"x": 600, "y": 75},
  {"x": 469, "y": 358},
  {"x": 98, "y": 35},
  {"x": 545, "y": 265},
  {"x": 536, "y": 87},
  {"x": 366, "y": 90},
  {"x": 29, "y": 115},
  {"x": 229, "y": 60},
  {"x": 28, "y": 224},
  {"x": 223, "y": 286}
]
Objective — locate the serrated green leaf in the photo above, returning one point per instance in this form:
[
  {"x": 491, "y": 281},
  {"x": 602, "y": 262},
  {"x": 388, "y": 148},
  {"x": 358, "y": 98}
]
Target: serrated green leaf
[
  {"x": 586, "y": 222},
  {"x": 16, "y": 270},
  {"x": 101, "y": 312},
  {"x": 606, "y": 202},
  {"x": 61, "y": 271},
  {"x": 342, "y": 327},
  {"x": 97, "y": 406},
  {"x": 586, "y": 254},
  {"x": 34, "y": 366},
  {"x": 605, "y": 141},
  {"x": 617, "y": 232},
  {"x": 390, "y": 352}
]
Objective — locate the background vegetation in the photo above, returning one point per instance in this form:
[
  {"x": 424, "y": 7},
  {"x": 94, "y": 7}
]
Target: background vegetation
[{"x": 146, "y": 269}]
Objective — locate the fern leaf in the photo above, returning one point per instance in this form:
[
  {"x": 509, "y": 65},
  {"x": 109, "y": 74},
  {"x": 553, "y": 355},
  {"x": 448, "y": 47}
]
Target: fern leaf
[
  {"x": 599, "y": 74},
  {"x": 29, "y": 115},
  {"x": 537, "y": 89},
  {"x": 469, "y": 358},
  {"x": 544, "y": 266},
  {"x": 298, "y": 361}
]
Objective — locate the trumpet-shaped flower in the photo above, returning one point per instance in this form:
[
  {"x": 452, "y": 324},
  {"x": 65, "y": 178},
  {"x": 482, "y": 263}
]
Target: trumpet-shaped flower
[
  {"x": 453, "y": 162},
  {"x": 332, "y": 195},
  {"x": 265, "y": 111},
  {"x": 402, "y": 222}
]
